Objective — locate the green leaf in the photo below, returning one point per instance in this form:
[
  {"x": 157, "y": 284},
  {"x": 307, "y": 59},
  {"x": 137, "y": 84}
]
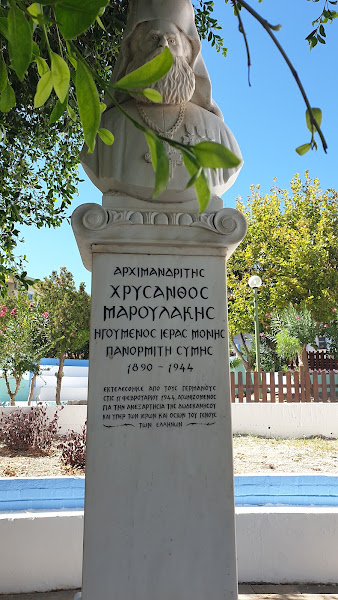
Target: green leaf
[
  {"x": 192, "y": 179},
  {"x": 159, "y": 161},
  {"x": 3, "y": 74},
  {"x": 61, "y": 76},
  {"x": 7, "y": 99},
  {"x": 89, "y": 104},
  {"x": 201, "y": 184},
  {"x": 43, "y": 68},
  {"x": 100, "y": 24},
  {"x": 214, "y": 156},
  {"x": 152, "y": 95},
  {"x": 58, "y": 111},
  {"x": 35, "y": 11},
  {"x": 103, "y": 107},
  {"x": 43, "y": 89},
  {"x": 20, "y": 41},
  {"x": 35, "y": 50},
  {"x": 4, "y": 27},
  {"x": 71, "y": 113},
  {"x": 71, "y": 55},
  {"x": 303, "y": 149},
  {"x": 149, "y": 73},
  {"x": 106, "y": 136},
  {"x": 317, "y": 113},
  {"x": 76, "y": 16},
  {"x": 73, "y": 61}
]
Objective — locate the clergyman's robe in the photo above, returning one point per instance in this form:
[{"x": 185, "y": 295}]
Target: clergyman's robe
[{"x": 125, "y": 166}]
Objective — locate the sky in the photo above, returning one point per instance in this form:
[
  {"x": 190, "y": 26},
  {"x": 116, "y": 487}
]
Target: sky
[{"x": 267, "y": 119}]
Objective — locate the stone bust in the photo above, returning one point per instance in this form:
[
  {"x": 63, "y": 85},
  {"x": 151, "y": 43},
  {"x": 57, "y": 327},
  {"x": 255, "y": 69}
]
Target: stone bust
[{"x": 187, "y": 112}]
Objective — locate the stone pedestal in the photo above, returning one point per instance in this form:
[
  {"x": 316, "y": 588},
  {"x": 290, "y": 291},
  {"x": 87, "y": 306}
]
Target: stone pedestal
[{"x": 159, "y": 507}]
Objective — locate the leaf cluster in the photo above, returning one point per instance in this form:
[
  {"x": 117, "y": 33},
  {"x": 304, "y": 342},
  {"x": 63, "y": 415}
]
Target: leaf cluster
[
  {"x": 73, "y": 449},
  {"x": 327, "y": 16},
  {"x": 31, "y": 430},
  {"x": 207, "y": 26},
  {"x": 69, "y": 311},
  {"x": 25, "y": 336},
  {"x": 292, "y": 245},
  {"x": 330, "y": 330}
]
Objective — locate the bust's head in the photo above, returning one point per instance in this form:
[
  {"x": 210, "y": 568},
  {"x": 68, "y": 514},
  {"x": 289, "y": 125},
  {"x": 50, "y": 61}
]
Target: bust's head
[
  {"x": 152, "y": 24},
  {"x": 148, "y": 40},
  {"x": 151, "y": 37}
]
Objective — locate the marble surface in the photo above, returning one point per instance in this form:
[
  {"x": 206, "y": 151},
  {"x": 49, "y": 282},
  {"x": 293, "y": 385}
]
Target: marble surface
[
  {"x": 187, "y": 113},
  {"x": 159, "y": 511}
]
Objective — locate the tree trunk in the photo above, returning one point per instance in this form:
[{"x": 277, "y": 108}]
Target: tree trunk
[
  {"x": 59, "y": 378},
  {"x": 246, "y": 363},
  {"x": 31, "y": 389},
  {"x": 302, "y": 357},
  {"x": 17, "y": 385}
]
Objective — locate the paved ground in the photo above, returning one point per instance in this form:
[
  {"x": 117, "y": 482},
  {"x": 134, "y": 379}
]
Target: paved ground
[{"x": 246, "y": 592}]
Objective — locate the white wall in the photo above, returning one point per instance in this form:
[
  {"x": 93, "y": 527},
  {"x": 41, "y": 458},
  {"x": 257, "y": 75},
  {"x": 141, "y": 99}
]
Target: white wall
[
  {"x": 287, "y": 544},
  {"x": 268, "y": 420},
  {"x": 42, "y": 551},
  {"x": 294, "y": 420}
]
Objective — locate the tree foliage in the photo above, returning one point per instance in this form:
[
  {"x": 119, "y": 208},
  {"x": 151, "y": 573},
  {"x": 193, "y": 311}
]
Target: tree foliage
[
  {"x": 24, "y": 339},
  {"x": 293, "y": 330},
  {"x": 40, "y": 146},
  {"x": 69, "y": 314},
  {"x": 330, "y": 330},
  {"x": 291, "y": 244}
]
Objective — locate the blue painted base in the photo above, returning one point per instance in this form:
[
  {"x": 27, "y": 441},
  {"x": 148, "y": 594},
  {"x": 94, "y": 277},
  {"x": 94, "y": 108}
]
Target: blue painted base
[{"x": 55, "y": 493}]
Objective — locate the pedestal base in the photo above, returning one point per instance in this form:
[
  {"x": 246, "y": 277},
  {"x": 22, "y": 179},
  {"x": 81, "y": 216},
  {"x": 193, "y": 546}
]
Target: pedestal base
[{"x": 159, "y": 504}]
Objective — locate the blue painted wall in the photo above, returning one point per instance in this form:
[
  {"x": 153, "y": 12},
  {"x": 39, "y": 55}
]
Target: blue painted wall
[{"x": 250, "y": 490}]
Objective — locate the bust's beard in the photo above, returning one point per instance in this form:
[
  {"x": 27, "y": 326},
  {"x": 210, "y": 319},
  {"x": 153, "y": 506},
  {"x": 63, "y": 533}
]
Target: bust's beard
[{"x": 175, "y": 87}]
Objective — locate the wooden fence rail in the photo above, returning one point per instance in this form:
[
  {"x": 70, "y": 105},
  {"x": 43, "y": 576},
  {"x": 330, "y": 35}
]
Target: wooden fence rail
[{"x": 292, "y": 386}]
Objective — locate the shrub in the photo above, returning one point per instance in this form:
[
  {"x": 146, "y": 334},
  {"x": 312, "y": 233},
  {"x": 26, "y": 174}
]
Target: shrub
[
  {"x": 32, "y": 430},
  {"x": 73, "y": 449}
]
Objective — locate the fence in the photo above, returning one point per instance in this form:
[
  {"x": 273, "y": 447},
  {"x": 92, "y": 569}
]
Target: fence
[
  {"x": 292, "y": 386},
  {"x": 321, "y": 360},
  {"x": 317, "y": 361}
]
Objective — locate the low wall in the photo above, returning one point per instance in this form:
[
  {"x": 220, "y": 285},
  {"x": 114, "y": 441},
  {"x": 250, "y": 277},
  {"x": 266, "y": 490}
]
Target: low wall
[
  {"x": 268, "y": 420},
  {"x": 287, "y": 544},
  {"x": 286, "y": 420},
  {"x": 42, "y": 551}
]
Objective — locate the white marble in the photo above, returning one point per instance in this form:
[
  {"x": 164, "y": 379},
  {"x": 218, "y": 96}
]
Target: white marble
[
  {"x": 142, "y": 231},
  {"x": 159, "y": 513},
  {"x": 187, "y": 113}
]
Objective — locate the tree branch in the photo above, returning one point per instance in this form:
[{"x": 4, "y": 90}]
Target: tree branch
[
  {"x": 242, "y": 31},
  {"x": 268, "y": 28}
]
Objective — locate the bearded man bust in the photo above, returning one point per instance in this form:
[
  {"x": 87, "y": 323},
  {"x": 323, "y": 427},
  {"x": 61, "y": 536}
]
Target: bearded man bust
[{"x": 186, "y": 114}]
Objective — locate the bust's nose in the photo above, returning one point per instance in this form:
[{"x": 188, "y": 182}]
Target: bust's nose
[{"x": 162, "y": 42}]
